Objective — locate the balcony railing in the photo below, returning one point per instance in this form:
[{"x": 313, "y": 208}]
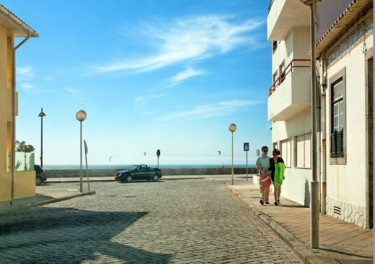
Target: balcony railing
[
  {"x": 270, "y": 6},
  {"x": 287, "y": 70}
]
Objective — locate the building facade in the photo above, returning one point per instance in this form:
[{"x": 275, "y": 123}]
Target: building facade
[
  {"x": 22, "y": 183},
  {"x": 344, "y": 59}
]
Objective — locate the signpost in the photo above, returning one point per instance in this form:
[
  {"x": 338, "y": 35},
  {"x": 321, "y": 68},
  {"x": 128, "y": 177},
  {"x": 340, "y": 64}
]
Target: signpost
[
  {"x": 87, "y": 166},
  {"x": 246, "y": 149}
]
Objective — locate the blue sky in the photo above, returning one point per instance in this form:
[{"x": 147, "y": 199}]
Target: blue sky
[{"x": 168, "y": 75}]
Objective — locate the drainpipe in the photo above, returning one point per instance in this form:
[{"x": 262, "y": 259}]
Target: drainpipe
[
  {"x": 14, "y": 114},
  {"x": 324, "y": 141},
  {"x": 319, "y": 135}
]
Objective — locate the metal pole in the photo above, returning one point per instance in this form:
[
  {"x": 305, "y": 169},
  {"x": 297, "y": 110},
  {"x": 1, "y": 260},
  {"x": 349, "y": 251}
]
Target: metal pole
[
  {"x": 247, "y": 177},
  {"x": 41, "y": 142},
  {"x": 232, "y": 162},
  {"x": 314, "y": 183},
  {"x": 81, "y": 176},
  {"x": 87, "y": 173}
]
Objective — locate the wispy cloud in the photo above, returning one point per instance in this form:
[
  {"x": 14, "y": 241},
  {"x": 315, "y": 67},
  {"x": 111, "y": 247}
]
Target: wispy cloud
[
  {"x": 25, "y": 73},
  {"x": 143, "y": 99},
  {"x": 24, "y": 77},
  {"x": 184, "y": 75},
  {"x": 75, "y": 92},
  {"x": 27, "y": 86},
  {"x": 212, "y": 110},
  {"x": 188, "y": 39}
]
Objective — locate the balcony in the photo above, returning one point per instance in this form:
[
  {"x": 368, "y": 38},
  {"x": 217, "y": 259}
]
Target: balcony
[
  {"x": 291, "y": 92},
  {"x": 283, "y": 16}
]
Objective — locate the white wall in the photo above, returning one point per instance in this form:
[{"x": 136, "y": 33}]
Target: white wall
[
  {"x": 348, "y": 182},
  {"x": 295, "y": 46},
  {"x": 296, "y": 185}
]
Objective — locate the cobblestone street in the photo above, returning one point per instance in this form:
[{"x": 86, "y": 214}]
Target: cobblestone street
[{"x": 170, "y": 221}]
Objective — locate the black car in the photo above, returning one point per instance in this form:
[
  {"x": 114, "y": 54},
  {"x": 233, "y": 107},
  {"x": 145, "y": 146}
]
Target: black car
[
  {"x": 138, "y": 172},
  {"x": 40, "y": 174}
]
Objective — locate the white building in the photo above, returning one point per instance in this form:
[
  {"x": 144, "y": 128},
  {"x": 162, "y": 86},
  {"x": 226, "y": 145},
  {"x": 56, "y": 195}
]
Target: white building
[{"x": 344, "y": 52}]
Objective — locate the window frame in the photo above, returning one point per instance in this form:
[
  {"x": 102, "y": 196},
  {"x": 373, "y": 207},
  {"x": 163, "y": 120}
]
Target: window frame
[
  {"x": 296, "y": 153},
  {"x": 289, "y": 158},
  {"x": 335, "y": 159}
]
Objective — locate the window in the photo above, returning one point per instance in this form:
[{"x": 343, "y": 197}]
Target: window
[
  {"x": 9, "y": 62},
  {"x": 303, "y": 151},
  {"x": 274, "y": 46},
  {"x": 337, "y": 112},
  {"x": 285, "y": 152},
  {"x": 9, "y": 146},
  {"x": 282, "y": 71},
  {"x": 274, "y": 77},
  {"x": 274, "y": 146}
]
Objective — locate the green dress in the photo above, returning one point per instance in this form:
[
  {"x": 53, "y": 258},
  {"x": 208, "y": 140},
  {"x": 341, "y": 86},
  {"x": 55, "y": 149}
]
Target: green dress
[{"x": 279, "y": 173}]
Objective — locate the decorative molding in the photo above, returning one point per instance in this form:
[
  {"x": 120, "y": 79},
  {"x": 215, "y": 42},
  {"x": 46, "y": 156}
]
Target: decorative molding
[{"x": 364, "y": 30}]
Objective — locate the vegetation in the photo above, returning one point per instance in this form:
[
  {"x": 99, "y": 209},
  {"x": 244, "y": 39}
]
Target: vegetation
[{"x": 22, "y": 147}]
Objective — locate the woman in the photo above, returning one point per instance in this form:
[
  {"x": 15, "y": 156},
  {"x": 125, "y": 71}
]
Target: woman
[{"x": 277, "y": 168}]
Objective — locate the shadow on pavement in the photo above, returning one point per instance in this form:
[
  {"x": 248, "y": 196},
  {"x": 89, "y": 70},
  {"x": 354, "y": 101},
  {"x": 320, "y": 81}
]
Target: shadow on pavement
[
  {"x": 68, "y": 235},
  {"x": 293, "y": 206}
]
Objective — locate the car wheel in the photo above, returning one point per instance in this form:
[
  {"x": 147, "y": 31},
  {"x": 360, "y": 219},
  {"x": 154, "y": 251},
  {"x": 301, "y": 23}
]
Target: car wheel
[
  {"x": 155, "y": 178},
  {"x": 38, "y": 181},
  {"x": 129, "y": 178}
]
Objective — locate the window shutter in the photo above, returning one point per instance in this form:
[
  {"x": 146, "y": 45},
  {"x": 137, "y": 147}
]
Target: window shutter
[
  {"x": 300, "y": 151},
  {"x": 333, "y": 144},
  {"x": 285, "y": 152},
  {"x": 339, "y": 143}
]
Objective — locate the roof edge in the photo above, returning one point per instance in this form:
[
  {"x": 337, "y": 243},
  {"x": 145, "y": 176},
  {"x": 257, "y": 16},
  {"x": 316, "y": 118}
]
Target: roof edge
[{"x": 18, "y": 22}]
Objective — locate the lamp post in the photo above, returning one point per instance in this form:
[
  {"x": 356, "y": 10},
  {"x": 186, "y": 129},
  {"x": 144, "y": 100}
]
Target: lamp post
[
  {"x": 41, "y": 115},
  {"x": 81, "y": 116},
  {"x": 314, "y": 221},
  {"x": 232, "y": 128},
  {"x": 158, "y": 155}
]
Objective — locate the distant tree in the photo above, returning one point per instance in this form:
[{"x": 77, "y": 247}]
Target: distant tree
[{"x": 22, "y": 147}]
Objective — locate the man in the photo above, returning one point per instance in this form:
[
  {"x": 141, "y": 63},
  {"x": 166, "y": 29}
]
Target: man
[{"x": 263, "y": 164}]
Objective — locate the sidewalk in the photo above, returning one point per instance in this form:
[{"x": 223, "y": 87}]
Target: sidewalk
[{"x": 340, "y": 242}]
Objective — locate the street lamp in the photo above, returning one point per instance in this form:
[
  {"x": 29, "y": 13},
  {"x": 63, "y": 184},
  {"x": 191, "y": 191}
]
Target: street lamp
[
  {"x": 314, "y": 221},
  {"x": 81, "y": 116},
  {"x": 41, "y": 115},
  {"x": 232, "y": 128}
]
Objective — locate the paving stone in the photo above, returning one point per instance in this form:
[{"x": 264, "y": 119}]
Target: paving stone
[{"x": 186, "y": 221}]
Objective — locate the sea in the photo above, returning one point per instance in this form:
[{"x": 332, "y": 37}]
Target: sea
[{"x": 162, "y": 166}]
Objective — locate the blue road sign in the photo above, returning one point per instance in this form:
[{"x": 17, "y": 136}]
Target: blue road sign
[{"x": 246, "y": 146}]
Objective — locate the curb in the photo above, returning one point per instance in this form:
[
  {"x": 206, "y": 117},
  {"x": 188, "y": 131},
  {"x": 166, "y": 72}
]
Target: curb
[
  {"x": 233, "y": 190},
  {"x": 56, "y": 200},
  {"x": 36, "y": 204},
  {"x": 300, "y": 250}
]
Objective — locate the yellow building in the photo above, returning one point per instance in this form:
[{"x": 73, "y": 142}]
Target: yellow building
[{"x": 20, "y": 184}]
